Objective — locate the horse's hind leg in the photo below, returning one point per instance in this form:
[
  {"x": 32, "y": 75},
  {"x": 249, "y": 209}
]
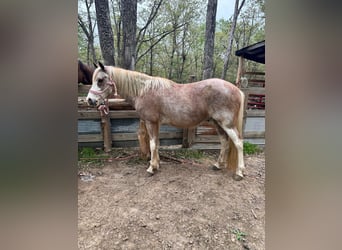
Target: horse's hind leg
[
  {"x": 233, "y": 135},
  {"x": 144, "y": 140},
  {"x": 238, "y": 143},
  {"x": 153, "y": 132},
  {"x": 222, "y": 159}
]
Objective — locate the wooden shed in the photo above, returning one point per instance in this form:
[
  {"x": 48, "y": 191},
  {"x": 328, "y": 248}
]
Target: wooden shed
[{"x": 253, "y": 83}]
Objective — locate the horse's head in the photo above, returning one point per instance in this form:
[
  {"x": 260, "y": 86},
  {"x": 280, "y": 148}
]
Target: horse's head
[
  {"x": 85, "y": 73},
  {"x": 102, "y": 86}
]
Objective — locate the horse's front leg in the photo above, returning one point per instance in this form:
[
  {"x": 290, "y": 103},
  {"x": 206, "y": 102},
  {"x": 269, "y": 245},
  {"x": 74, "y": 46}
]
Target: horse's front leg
[{"x": 153, "y": 132}]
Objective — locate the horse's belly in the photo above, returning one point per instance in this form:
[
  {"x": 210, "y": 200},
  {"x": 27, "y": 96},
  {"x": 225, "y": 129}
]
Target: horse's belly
[{"x": 182, "y": 121}]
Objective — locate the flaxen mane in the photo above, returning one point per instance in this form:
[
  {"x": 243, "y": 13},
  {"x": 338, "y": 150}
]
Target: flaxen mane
[{"x": 132, "y": 83}]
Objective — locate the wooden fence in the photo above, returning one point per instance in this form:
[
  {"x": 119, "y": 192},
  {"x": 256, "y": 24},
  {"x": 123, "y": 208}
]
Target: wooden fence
[{"x": 124, "y": 124}]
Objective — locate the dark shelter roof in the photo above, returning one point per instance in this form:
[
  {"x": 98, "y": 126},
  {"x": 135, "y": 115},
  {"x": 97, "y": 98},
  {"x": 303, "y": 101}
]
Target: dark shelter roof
[{"x": 254, "y": 52}]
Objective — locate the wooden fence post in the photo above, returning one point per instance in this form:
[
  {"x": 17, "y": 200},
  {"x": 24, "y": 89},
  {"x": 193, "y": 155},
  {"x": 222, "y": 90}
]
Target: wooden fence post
[
  {"x": 106, "y": 132},
  {"x": 240, "y": 71}
]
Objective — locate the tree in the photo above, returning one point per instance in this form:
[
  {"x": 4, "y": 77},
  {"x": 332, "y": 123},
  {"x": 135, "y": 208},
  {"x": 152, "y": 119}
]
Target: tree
[
  {"x": 148, "y": 27},
  {"x": 105, "y": 31},
  {"x": 179, "y": 16},
  {"x": 209, "y": 39},
  {"x": 116, "y": 12},
  {"x": 88, "y": 30},
  {"x": 237, "y": 10},
  {"x": 129, "y": 27}
]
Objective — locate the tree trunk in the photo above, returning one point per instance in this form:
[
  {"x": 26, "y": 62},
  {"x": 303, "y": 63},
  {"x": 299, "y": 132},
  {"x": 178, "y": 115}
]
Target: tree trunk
[
  {"x": 118, "y": 28},
  {"x": 129, "y": 27},
  {"x": 151, "y": 61},
  {"x": 237, "y": 10},
  {"x": 174, "y": 45},
  {"x": 91, "y": 33},
  {"x": 183, "y": 53},
  {"x": 105, "y": 31},
  {"x": 209, "y": 39}
]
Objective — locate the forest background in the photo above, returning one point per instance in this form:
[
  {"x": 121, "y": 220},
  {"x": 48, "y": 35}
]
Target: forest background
[{"x": 168, "y": 38}]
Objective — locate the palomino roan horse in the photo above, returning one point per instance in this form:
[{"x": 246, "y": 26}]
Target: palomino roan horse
[{"x": 161, "y": 101}]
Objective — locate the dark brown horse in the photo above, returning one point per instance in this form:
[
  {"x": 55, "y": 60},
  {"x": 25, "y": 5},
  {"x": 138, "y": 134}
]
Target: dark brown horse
[
  {"x": 161, "y": 101},
  {"x": 85, "y": 73}
]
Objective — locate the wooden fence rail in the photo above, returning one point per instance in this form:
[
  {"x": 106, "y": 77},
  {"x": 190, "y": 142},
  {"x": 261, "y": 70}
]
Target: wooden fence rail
[{"x": 123, "y": 124}]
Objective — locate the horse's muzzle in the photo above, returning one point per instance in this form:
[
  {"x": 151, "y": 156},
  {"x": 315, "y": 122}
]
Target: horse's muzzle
[{"x": 92, "y": 102}]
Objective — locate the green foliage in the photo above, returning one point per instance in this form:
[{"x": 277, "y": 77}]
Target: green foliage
[
  {"x": 240, "y": 236},
  {"x": 178, "y": 54},
  {"x": 189, "y": 154},
  {"x": 82, "y": 45},
  {"x": 249, "y": 148},
  {"x": 87, "y": 154}
]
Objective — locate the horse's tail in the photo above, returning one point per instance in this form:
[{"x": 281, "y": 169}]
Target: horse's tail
[{"x": 233, "y": 152}]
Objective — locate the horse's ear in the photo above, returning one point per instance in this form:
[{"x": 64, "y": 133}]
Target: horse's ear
[
  {"x": 95, "y": 65},
  {"x": 102, "y": 66}
]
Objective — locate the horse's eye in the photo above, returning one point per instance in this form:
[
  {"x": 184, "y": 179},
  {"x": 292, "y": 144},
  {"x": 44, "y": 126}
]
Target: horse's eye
[{"x": 100, "y": 82}]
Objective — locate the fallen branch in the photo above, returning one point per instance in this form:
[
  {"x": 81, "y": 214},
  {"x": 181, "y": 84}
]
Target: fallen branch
[
  {"x": 110, "y": 159},
  {"x": 171, "y": 158},
  {"x": 93, "y": 158},
  {"x": 125, "y": 158},
  {"x": 255, "y": 217},
  {"x": 180, "y": 161}
]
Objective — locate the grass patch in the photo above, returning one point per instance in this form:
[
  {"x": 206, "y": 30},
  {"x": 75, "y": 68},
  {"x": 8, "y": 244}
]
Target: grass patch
[
  {"x": 249, "y": 148},
  {"x": 87, "y": 154},
  {"x": 189, "y": 154},
  {"x": 240, "y": 236}
]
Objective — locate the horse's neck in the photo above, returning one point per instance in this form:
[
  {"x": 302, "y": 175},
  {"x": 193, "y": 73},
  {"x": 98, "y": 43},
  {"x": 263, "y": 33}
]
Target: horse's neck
[
  {"x": 88, "y": 73},
  {"x": 132, "y": 84},
  {"x": 129, "y": 84}
]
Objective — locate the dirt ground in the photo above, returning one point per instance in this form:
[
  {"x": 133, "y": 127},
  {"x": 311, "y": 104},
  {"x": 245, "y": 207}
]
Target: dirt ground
[{"x": 185, "y": 205}]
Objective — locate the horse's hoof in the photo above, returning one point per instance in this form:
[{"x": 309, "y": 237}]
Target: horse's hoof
[
  {"x": 216, "y": 168},
  {"x": 150, "y": 171},
  {"x": 237, "y": 177},
  {"x": 149, "y": 174}
]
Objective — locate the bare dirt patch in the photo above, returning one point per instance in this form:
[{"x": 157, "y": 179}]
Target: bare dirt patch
[{"x": 185, "y": 205}]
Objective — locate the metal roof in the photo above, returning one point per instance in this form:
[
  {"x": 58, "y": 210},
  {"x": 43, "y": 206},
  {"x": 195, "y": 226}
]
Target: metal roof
[{"x": 254, "y": 52}]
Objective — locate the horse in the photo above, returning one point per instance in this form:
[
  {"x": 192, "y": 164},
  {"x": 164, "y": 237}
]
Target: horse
[
  {"x": 161, "y": 101},
  {"x": 85, "y": 73}
]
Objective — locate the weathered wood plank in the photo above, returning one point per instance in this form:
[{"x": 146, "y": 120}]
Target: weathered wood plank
[
  {"x": 90, "y": 138},
  {"x": 114, "y": 104},
  {"x": 206, "y": 146},
  {"x": 254, "y": 134},
  {"x": 207, "y": 139},
  {"x": 126, "y": 137},
  {"x": 253, "y": 90},
  {"x": 255, "y": 113},
  {"x": 117, "y": 114},
  {"x": 134, "y": 136},
  {"x": 256, "y": 81}
]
